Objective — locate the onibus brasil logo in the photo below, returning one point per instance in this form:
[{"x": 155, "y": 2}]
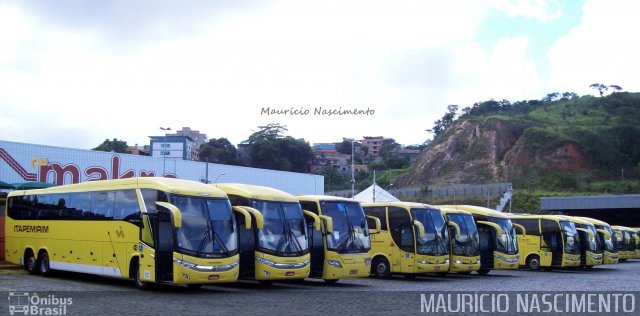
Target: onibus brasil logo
[{"x": 25, "y": 303}]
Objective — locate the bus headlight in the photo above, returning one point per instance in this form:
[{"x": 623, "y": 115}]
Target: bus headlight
[
  {"x": 220, "y": 268},
  {"x": 423, "y": 261},
  {"x": 334, "y": 263},
  {"x": 283, "y": 265},
  {"x": 446, "y": 260},
  {"x": 265, "y": 261},
  {"x": 367, "y": 262},
  {"x": 459, "y": 262}
]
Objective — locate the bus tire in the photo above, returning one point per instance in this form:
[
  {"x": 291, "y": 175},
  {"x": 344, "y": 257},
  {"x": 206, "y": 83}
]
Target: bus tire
[
  {"x": 533, "y": 263},
  {"x": 483, "y": 271},
  {"x": 139, "y": 283},
  {"x": 30, "y": 262},
  {"x": 381, "y": 268},
  {"x": 44, "y": 266}
]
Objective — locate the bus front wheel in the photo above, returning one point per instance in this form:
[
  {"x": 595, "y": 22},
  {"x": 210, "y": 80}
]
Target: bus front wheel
[
  {"x": 139, "y": 283},
  {"x": 44, "y": 267},
  {"x": 483, "y": 271},
  {"x": 381, "y": 268},
  {"x": 533, "y": 263},
  {"x": 30, "y": 263}
]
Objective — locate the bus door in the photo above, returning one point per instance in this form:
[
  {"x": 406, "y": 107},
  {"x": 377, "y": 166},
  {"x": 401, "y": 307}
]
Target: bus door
[
  {"x": 486, "y": 245},
  {"x": 157, "y": 264},
  {"x": 401, "y": 228},
  {"x": 246, "y": 246},
  {"x": 316, "y": 248}
]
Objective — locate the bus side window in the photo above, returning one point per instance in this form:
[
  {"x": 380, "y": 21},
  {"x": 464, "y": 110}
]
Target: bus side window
[
  {"x": 379, "y": 212},
  {"x": 102, "y": 203},
  {"x": 126, "y": 206},
  {"x": 150, "y": 197}
]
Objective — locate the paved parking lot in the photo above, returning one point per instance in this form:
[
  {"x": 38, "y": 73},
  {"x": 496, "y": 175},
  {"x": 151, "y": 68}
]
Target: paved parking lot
[{"x": 399, "y": 295}]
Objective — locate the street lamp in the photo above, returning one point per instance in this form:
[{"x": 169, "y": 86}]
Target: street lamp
[
  {"x": 218, "y": 177},
  {"x": 164, "y": 156}
]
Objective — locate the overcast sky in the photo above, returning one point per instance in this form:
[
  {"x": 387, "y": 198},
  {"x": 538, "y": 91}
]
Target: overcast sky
[{"x": 73, "y": 73}]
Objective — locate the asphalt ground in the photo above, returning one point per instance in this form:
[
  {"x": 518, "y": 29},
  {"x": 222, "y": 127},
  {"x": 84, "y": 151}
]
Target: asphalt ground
[{"x": 500, "y": 292}]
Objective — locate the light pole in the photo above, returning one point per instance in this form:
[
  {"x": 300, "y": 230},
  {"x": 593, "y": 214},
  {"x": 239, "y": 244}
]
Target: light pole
[
  {"x": 164, "y": 157},
  {"x": 353, "y": 179},
  {"x": 218, "y": 177}
]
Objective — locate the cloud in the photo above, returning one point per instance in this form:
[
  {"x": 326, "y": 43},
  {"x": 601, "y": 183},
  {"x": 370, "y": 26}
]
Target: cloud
[
  {"x": 601, "y": 49},
  {"x": 543, "y": 10}
]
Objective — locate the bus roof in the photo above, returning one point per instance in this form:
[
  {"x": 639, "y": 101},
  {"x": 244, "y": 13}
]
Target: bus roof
[
  {"x": 446, "y": 210},
  {"x": 399, "y": 204},
  {"x": 177, "y": 186},
  {"x": 317, "y": 198},
  {"x": 618, "y": 227},
  {"x": 476, "y": 210},
  {"x": 593, "y": 221},
  {"x": 255, "y": 192},
  {"x": 534, "y": 216}
]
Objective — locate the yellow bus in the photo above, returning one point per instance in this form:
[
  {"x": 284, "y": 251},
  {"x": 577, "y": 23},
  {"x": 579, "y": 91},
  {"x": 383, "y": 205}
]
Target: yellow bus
[
  {"x": 277, "y": 247},
  {"x": 464, "y": 246},
  {"x": 498, "y": 242},
  {"x": 605, "y": 235},
  {"x": 152, "y": 230},
  {"x": 550, "y": 242},
  {"x": 413, "y": 239},
  {"x": 591, "y": 249},
  {"x": 625, "y": 242},
  {"x": 343, "y": 250},
  {"x": 636, "y": 236}
]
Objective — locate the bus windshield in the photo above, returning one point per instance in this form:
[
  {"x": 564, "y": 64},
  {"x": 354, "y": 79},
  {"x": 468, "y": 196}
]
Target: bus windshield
[
  {"x": 594, "y": 243},
  {"x": 467, "y": 243},
  {"x": 569, "y": 232},
  {"x": 350, "y": 230},
  {"x": 507, "y": 243},
  {"x": 607, "y": 243},
  {"x": 436, "y": 235},
  {"x": 208, "y": 226},
  {"x": 285, "y": 230}
]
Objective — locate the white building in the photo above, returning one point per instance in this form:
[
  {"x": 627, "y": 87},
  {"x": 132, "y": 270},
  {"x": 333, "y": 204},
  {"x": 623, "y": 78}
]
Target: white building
[{"x": 20, "y": 162}]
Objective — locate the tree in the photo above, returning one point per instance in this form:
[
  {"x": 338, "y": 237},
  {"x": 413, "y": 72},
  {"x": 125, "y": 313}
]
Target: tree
[
  {"x": 615, "y": 88},
  {"x": 344, "y": 147},
  {"x": 114, "y": 145},
  {"x": 446, "y": 120},
  {"x": 600, "y": 87},
  {"x": 219, "y": 151},
  {"x": 269, "y": 149}
]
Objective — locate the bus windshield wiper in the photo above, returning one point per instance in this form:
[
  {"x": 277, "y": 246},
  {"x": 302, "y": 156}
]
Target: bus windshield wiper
[
  {"x": 216, "y": 237},
  {"x": 206, "y": 235}
]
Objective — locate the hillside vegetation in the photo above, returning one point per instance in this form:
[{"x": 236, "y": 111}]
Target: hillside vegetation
[{"x": 561, "y": 144}]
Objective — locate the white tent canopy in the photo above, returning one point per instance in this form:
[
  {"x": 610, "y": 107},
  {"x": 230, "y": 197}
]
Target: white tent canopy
[{"x": 376, "y": 191}]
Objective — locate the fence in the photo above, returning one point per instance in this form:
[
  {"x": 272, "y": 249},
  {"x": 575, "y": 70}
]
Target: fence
[{"x": 488, "y": 190}]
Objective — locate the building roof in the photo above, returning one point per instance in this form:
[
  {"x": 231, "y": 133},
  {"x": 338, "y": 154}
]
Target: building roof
[{"x": 602, "y": 202}]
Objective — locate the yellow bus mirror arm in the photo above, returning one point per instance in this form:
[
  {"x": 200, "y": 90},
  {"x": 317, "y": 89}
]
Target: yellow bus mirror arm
[
  {"x": 494, "y": 225},
  {"x": 524, "y": 231},
  {"x": 606, "y": 234},
  {"x": 316, "y": 219},
  {"x": 588, "y": 232},
  {"x": 420, "y": 228},
  {"x": 247, "y": 216},
  {"x": 456, "y": 227},
  {"x": 256, "y": 214},
  {"x": 175, "y": 213},
  {"x": 328, "y": 222},
  {"x": 375, "y": 220}
]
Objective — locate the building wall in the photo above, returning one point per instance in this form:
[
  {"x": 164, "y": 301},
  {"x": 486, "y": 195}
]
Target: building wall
[{"x": 20, "y": 162}]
